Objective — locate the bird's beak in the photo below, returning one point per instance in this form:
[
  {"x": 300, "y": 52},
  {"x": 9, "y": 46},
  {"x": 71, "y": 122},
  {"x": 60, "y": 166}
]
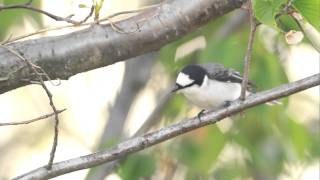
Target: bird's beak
[{"x": 175, "y": 88}]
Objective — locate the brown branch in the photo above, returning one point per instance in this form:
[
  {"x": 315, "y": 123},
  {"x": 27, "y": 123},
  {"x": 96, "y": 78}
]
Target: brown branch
[
  {"x": 56, "y": 124},
  {"x": 39, "y": 75},
  {"x": 99, "y": 45},
  {"x": 28, "y": 6},
  {"x": 31, "y": 120},
  {"x": 247, "y": 59},
  {"x": 88, "y": 16},
  {"x": 142, "y": 142}
]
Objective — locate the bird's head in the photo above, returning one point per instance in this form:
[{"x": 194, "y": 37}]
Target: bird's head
[{"x": 191, "y": 76}]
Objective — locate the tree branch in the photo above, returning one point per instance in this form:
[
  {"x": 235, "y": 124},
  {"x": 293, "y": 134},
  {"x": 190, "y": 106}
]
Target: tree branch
[
  {"x": 147, "y": 140},
  {"x": 99, "y": 45},
  {"x": 247, "y": 58},
  {"x": 28, "y": 6},
  {"x": 39, "y": 73},
  {"x": 40, "y": 31},
  {"x": 31, "y": 120}
]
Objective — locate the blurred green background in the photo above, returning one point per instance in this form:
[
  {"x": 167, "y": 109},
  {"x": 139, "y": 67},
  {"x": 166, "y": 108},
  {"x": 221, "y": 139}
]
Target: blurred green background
[{"x": 267, "y": 142}]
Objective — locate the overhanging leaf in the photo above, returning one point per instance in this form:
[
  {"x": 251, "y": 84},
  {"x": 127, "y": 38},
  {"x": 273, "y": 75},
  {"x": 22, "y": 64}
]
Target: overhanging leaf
[
  {"x": 309, "y": 9},
  {"x": 266, "y": 10}
]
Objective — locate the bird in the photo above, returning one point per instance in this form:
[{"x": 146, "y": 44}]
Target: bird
[{"x": 211, "y": 85}]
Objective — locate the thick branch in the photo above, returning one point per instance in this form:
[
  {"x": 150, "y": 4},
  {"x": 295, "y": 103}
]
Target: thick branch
[
  {"x": 147, "y": 140},
  {"x": 100, "y": 45}
]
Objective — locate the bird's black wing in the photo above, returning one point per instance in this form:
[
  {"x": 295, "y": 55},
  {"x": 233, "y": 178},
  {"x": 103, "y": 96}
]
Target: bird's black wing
[{"x": 221, "y": 73}]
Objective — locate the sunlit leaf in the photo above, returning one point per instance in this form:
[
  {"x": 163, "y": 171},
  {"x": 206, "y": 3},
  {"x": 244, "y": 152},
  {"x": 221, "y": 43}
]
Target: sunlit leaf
[
  {"x": 83, "y": 6},
  {"x": 309, "y": 9},
  {"x": 287, "y": 23},
  {"x": 266, "y": 10}
]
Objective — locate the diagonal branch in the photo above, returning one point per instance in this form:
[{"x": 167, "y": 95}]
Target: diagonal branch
[
  {"x": 28, "y": 6},
  {"x": 147, "y": 140},
  {"x": 84, "y": 23},
  {"x": 99, "y": 45},
  {"x": 31, "y": 120}
]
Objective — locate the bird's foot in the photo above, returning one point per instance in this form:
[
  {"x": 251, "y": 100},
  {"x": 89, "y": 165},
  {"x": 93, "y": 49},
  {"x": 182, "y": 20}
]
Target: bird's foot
[{"x": 200, "y": 114}]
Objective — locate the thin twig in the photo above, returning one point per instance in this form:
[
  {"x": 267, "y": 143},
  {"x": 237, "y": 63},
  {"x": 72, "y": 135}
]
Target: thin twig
[
  {"x": 247, "y": 58},
  {"x": 147, "y": 140},
  {"x": 38, "y": 74},
  {"x": 108, "y": 18},
  {"x": 28, "y": 6},
  {"x": 88, "y": 16},
  {"x": 31, "y": 120},
  {"x": 56, "y": 125}
]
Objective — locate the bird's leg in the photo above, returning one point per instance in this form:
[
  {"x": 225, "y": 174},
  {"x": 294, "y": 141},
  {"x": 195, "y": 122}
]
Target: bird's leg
[
  {"x": 227, "y": 104},
  {"x": 200, "y": 114}
]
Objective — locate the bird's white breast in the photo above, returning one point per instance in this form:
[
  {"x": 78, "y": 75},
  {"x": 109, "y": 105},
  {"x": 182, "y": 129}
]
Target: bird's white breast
[{"x": 212, "y": 93}]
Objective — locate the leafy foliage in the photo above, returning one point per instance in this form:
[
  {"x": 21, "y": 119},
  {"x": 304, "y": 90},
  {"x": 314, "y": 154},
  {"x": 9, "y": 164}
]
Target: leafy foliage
[
  {"x": 14, "y": 17},
  {"x": 269, "y": 11},
  {"x": 309, "y": 9},
  {"x": 266, "y": 10}
]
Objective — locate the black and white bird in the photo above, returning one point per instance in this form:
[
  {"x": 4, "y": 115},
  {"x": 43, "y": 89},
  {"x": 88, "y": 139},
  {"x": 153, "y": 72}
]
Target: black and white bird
[{"x": 210, "y": 86}]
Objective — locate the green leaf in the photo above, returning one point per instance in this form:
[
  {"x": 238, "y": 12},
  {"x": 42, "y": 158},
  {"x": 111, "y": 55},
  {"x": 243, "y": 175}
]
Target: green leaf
[
  {"x": 287, "y": 23},
  {"x": 309, "y": 9},
  {"x": 266, "y": 10},
  {"x": 82, "y": 6}
]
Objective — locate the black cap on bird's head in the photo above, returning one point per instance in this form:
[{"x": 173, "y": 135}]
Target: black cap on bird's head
[{"x": 190, "y": 75}]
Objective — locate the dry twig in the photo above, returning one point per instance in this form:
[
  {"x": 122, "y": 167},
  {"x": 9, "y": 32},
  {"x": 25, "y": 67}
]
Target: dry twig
[
  {"x": 28, "y": 6},
  {"x": 39, "y": 75},
  {"x": 108, "y": 18},
  {"x": 31, "y": 120},
  {"x": 247, "y": 59}
]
